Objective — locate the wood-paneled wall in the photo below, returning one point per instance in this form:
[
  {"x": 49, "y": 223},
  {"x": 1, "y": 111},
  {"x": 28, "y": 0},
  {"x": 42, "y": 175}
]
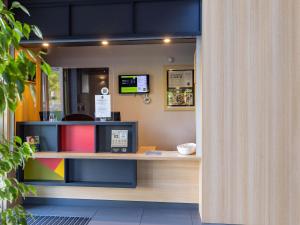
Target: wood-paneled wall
[{"x": 251, "y": 117}]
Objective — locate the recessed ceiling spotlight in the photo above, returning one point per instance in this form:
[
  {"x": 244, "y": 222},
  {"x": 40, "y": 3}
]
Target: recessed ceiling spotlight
[
  {"x": 167, "y": 40},
  {"x": 45, "y": 44},
  {"x": 104, "y": 42}
]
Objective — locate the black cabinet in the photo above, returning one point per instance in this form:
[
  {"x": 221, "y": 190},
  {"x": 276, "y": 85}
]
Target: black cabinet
[{"x": 95, "y": 19}]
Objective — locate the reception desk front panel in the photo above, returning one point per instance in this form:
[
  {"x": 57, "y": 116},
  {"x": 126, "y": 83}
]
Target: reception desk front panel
[{"x": 45, "y": 170}]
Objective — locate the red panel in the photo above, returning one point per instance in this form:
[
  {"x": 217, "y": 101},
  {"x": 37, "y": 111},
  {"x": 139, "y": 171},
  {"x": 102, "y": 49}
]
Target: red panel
[{"x": 77, "y": 138}]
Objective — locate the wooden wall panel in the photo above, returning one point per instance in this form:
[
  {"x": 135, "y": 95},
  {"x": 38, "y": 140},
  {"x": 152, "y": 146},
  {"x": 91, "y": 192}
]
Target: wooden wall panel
[
  {"x": 251, "y": 112},
  {"x": 158, "y": 181}
]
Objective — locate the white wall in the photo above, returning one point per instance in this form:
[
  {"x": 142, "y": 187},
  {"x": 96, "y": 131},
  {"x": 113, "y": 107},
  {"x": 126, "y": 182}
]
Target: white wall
[{"x": 164, "y": 129}]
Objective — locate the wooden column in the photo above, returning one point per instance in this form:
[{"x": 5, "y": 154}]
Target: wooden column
[{"x": 251, "y": 112}]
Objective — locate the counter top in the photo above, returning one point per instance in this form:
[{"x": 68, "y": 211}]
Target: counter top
[
  {"x": 148, "y": 155},
  {"x": 48, "y": 123}
]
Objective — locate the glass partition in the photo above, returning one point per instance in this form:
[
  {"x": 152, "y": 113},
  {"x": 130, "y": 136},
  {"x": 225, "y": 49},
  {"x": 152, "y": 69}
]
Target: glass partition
[{"x": 72, "y": 91}]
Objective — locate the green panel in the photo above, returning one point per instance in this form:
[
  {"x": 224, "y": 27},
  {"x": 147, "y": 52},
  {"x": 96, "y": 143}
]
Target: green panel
[
  {"x": 129, "y": 89},
  {"x": 34, "y": 170},
  {"x": 128, "y": 76}
]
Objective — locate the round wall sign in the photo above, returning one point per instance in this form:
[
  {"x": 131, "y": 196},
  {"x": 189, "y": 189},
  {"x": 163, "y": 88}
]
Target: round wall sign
[{"x": 104, "y": 91}]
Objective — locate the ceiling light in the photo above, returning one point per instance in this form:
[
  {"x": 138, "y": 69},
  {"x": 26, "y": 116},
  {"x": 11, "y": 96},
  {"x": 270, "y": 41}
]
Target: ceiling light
[
  {"x": 104, "y": 42},
  {"x": 45, "y": 44},
  {"x": 167, "y": 40}
]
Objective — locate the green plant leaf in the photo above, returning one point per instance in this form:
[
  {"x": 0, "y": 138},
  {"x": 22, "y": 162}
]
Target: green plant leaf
[
  {"x": 31, "y": 54},
  {"x": 12, "y": 105},
  {"x": 1, "y": 5},
  {"x": 46, "y": 68},
  {"x": 19, "y": 26},
  {"x": 26, "y": 30},
  {"x": 42, "y": 52},
  {"x": 20, "y": 86},
  {"x": 2, "y": 23},
  {"x": 7, "y": 182},
  {"x": 17, "y": 4},
  {"x": 33, "y": 93},
  {"x": 18, "y": 140},
  {"x": 17, "y": 35},
  {"x": 37, "y": 31},
  {"x": 2, "y": 100},
  {"x": 2, "y": 68},
  {"x": 9, "y": 16},
  {"x": 14, "y": 71},
  {"x": 31, "y": 67}
]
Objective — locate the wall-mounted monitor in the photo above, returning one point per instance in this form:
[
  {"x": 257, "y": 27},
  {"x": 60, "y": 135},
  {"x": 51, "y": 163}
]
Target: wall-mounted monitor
[{"x": 134, "y": 84}]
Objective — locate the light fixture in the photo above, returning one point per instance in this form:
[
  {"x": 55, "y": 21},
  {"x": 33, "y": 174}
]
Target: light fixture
[
  {"x": 167, "y": 40},
  {"x": 45, "y": 44},
  {"x": 104, "y": 42}
]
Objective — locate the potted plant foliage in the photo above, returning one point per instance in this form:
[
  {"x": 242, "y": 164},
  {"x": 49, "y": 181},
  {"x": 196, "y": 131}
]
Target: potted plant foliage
[{"x": 14, "y": 72}]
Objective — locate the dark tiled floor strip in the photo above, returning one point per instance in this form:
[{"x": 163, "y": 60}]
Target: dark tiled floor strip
[{"x": 121, "y": 215}]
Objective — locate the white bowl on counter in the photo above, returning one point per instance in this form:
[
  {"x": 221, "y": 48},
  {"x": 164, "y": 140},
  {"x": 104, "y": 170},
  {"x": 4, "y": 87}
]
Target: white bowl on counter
[{"x": 187, "y": 148}]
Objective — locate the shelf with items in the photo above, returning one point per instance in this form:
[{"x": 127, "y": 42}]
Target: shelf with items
[
  {"x": 80, "y": 138},
  {"x": 47, "y": 134},
  {"x": 104, "y": 135}
]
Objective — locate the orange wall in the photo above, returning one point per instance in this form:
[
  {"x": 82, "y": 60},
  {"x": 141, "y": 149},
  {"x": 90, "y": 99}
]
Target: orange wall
[{"x": 28, "y": 109}]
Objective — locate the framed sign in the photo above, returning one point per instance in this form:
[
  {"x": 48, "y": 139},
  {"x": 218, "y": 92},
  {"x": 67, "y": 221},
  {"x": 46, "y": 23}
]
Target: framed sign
[{"x": 180, "y": 89}]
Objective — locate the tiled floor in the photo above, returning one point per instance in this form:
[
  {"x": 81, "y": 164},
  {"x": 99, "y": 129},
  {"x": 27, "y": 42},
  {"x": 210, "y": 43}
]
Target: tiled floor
[{"x": 124, "y": 215}]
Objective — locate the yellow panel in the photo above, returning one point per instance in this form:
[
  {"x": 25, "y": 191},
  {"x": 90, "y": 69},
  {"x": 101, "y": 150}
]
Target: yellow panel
[{"x": 60, "y": 170}]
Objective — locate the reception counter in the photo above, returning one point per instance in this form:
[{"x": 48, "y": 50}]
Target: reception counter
[{"x": 93, "y": 170}]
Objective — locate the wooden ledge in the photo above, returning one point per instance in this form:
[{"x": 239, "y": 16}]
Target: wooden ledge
[{"x": 147, "y": 155}]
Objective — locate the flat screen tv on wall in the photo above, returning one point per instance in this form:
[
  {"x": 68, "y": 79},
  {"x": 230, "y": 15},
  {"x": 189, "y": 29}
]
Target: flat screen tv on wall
[{"x": 134, "y": 84}]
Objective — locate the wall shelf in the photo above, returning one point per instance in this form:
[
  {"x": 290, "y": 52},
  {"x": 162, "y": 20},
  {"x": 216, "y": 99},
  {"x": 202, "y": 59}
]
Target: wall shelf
[{"x": 165, "y": 155}]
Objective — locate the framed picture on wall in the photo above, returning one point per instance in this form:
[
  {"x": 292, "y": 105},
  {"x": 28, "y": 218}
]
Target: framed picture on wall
[{"x": 180, "y": 88}]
